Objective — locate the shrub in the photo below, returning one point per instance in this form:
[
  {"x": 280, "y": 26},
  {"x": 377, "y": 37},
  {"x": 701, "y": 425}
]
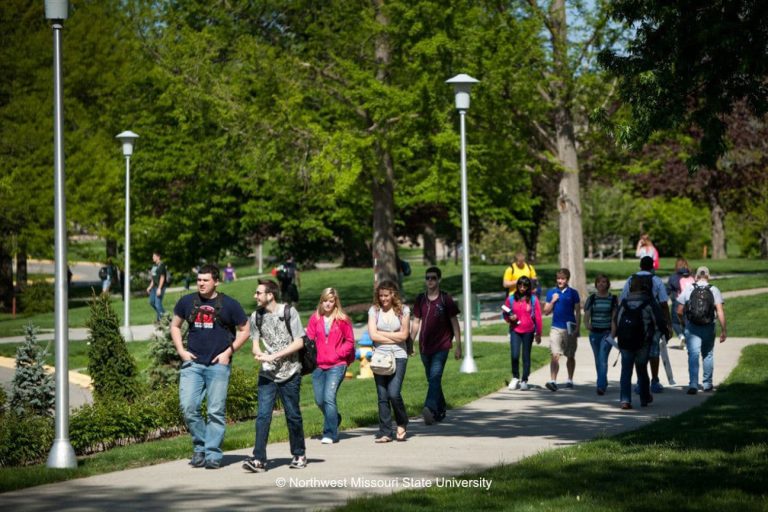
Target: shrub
[
  {"x": 110, "y": 365},
  {"x": 37, "y": 297},
  {"x": 164, "y": 360},
  {"x": 24, "y": 439},
  {"x": 241, "y": 397},
  {"x": 3, "y": 400},
  {"x": 102, "y": 425},
  {"x": 33, "y": 388}
]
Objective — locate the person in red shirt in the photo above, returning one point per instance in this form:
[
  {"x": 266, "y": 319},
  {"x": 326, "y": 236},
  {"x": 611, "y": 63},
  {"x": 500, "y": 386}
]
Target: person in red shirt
[{"x": 435, "y": 325}]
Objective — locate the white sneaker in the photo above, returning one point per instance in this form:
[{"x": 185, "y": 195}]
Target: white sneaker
[
  {"x": 326, "y": 440},
  {"x": 682, "y": 341},
  {"x": 513, "y": 383},
  {"x": 524, "y": 385}
]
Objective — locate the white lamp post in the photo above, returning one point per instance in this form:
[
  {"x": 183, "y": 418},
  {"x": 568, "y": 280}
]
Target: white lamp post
[
  {"x": 127, "y": 138},
  {"x": 461, "y": 86},
  {"x": 62, "y": 455}
]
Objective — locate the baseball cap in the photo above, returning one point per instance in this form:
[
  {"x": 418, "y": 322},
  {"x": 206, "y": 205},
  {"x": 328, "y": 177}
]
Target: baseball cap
[{"x": 702, "y": 272}]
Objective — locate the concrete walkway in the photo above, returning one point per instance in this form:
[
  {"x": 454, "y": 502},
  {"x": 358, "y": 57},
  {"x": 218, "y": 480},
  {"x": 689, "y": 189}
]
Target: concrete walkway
[{"x": 503, "y": 427}]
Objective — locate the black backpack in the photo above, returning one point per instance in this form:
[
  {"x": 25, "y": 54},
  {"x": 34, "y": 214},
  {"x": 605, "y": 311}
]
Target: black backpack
[
  {"x": 103, "y": 273},
  {"x": 307, "y": 354},
  {"x": 197, "y": 304},
  {"x": 700, "y": 308},
  {"x": 633, "y": 330}
]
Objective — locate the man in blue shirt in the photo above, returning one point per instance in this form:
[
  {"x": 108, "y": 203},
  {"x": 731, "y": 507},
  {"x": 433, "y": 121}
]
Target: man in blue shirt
[{"x": 563, "y": 303}]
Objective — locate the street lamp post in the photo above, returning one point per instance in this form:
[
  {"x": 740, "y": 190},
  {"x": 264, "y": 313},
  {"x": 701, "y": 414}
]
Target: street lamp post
[
  {"x": 461, "y": 86},
  {"x": 62, "y": 455},
  {"x": 127, "y": 138}
]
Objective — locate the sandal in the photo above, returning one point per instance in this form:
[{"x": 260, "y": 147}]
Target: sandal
[
  {"x": 383, "y": 439},
  {"x": 401, "y": 434}
]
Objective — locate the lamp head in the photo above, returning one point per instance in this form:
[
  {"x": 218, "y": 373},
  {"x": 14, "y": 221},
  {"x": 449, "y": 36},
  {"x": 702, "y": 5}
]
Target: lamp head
[
  {"x": 127, "y": 138},
  {"x": 56, "y": 9},
  {"x": 461, "y": 85}
]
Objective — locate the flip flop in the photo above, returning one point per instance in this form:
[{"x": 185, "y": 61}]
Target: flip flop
[{"x": 383, "y": 439}]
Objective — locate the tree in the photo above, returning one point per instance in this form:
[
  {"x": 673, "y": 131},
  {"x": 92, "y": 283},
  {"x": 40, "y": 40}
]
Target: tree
[
  {"x": 688, "y": 64},
  {"x": 33, "y": 390},
  {"x": 110, "y": 365}
]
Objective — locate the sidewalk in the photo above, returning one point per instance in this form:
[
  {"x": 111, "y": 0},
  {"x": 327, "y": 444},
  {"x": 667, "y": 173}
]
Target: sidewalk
[{"x": 503, "y": 427}]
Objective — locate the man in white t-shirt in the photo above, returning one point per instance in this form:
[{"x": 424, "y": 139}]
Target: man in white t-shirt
[{"x": 701, "y": 302}]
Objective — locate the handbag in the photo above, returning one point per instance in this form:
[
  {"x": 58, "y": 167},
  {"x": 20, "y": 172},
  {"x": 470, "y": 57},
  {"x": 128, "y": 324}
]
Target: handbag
[{"x": 382, "y": 362}]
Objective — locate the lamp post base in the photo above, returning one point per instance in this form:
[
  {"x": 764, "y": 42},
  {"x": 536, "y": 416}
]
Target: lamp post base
[
  {"x": 62, "y": 455},
  {"x": 127, "y": 334},
  {"x": 468, "y": 365}
]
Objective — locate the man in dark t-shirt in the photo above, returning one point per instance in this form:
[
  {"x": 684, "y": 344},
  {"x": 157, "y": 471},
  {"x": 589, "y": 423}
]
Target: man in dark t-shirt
[
  {"x": 218, "y": 326},
  {"x": 435, "y": 324},
  {"x": 158, "y": 278}
]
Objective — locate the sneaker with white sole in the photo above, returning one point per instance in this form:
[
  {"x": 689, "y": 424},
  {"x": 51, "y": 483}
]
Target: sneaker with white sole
[
  {"x": 299, "y": 462},
  {"x": 551, "y": 385},
  {"x": 569, "y": 384},
  {"x": 682, "y": 341},
  {"x": 254, "y": 465},
  {"x": 524, "y": 385},
  {"x": 326, "y": 440},
  {"x": 513, "y": 383}
]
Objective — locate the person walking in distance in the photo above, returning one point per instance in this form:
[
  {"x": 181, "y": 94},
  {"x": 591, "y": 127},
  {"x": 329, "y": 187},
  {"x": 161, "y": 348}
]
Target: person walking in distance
[
  {"x": 331, "y": 329},
  {"x": 563, "y": 304},
  {"x": 435, "y": 324},
  {"x": 277, "y": 338},
  {"x": 700, "y": 303},
  {"x": 218, "y": 327},
  {"x": 157, "y": 285},
  {"x": 517, "y": 270}
]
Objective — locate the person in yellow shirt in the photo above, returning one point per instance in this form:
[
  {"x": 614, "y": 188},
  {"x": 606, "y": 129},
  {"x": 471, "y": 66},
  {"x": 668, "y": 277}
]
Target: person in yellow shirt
[{"x": 517, "y": 270}]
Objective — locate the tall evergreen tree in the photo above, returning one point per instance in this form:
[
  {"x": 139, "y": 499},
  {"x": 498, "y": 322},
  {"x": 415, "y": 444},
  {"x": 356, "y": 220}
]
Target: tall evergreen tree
[{"x": 110, "y": 365}]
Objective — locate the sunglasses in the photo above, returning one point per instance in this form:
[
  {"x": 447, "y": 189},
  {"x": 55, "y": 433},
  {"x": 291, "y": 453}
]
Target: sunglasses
[{"x": 430, "y": 278}]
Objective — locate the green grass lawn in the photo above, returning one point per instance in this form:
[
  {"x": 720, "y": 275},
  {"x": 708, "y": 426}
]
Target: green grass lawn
[
  {"x": 357, "y": 403},
  {"x": 712, "y": 457}
]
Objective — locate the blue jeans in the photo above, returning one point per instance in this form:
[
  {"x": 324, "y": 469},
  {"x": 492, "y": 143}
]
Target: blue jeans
[
  {"x": 289, "y": 392},
  {"x": 676, "y": 325},
  {"x": 198, "y": 381},
  {"x": 519, "y": 341},
  {"x": 637, "y": 360},
  {"x": 326, "y": 384},
  {"x": 700, "y": 341},
  {"x": 601, "y": 349},
  {"x": 157, "y": 302},
  {"x": 388, "y": 390},
  {"x": 434, "y": 364}
]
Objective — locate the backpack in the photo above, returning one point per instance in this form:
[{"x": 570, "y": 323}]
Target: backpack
[
  {"x": 647, "y": 292},
  {"x": 168, "y": 278},
  {"x": 634, "y": 330},
  {"x": 700, "y": 308},
  {"x": 197, "y": 304},
  {"x": 405, "y": 267},
  {"x": 307, "y": 354},
  {"x": 103, "y": 273}
]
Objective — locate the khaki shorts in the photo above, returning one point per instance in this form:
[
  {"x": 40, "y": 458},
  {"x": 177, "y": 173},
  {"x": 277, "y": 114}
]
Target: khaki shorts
[{"x": 562, "y": 343}]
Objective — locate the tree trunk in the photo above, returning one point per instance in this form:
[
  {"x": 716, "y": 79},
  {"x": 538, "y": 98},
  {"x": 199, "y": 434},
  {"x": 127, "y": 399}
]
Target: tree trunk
[
  {"x": 764, "y": 244},
  {"x": 6, "y": 279},
  {"x": 112, "y": 248},
  {"x": 384, "y": 245},
  {"x": 568, "y": 201},
  {"x": 383, "y": 182},
  {"x": 718, "y": 227},
  {"x": 430, "y": 244},
  {"x": 22, "y": 275}
]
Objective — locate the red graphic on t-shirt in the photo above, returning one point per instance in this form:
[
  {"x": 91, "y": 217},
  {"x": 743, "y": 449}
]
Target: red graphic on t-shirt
[{"x": 205, "y": 317}]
